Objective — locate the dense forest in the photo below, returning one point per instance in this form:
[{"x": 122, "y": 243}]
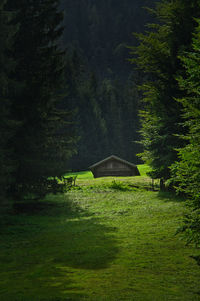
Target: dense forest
[
  {"x": 169, "y": 55},
  {"x": 36, "y": 138},
  {"x": 102, "y": 30},
  {"x": 71, "y": 91},
  {"x": 102, "y": 81}
]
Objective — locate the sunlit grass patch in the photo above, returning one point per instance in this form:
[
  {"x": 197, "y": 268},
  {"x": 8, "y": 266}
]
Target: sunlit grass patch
[
  {"x": 143, "y": 169},
  {"x": 80, "y": 174},
  {"x": 105, "y": 239},
  {"x": 85, "y": 178}
]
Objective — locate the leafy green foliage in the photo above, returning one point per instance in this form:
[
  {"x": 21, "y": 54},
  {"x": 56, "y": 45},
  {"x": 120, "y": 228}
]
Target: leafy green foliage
[{"x": 117, "y": 185}]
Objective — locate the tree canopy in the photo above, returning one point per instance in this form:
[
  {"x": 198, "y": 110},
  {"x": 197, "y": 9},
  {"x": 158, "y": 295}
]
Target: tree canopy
[
  {"x": 158, "y": 57},
  {"x": 42, "y": 143}
]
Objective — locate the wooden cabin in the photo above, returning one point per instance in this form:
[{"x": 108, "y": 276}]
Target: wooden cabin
[{"x": 114, "y": 166}]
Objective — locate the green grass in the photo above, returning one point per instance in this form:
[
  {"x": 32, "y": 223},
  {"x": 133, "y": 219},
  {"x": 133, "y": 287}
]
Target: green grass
[
  {"x": 86, "y": 178},
  {"x": 143, "y": 169},
  {"x": 105, "y": 240},
  {"x": 81, "y": 174}
]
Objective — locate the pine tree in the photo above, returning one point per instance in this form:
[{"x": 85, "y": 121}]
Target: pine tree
[
  {"x": 158, "y": 57},
  {"x": 186, "y": 172},
  {"x": 43, "y": 142},
  {"x": 7, "y": 126}
]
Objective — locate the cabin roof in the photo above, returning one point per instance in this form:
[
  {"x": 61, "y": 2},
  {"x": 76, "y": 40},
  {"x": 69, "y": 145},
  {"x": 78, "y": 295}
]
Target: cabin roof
[{"x": 115, "y": 158}]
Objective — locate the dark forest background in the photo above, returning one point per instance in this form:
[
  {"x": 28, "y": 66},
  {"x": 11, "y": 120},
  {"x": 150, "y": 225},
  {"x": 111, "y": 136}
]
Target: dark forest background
[
  {"x": 68, "y": 90},
  {"x": 76, "y": 85},
  {"x": 101, "y": 81}
]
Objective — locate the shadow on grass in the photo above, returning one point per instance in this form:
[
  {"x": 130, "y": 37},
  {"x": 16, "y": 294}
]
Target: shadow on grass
[
  {"x": 48, "y": 245},
  {"x": 91, "y": 245},
  {"x": 47, "y": 207},
  {"x": 169, "y": 196},
  {"x": 197, "y": 258}
]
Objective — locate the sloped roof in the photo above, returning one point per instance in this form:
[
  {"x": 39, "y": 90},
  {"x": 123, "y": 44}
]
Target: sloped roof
[{"x": 113, "y": 157}]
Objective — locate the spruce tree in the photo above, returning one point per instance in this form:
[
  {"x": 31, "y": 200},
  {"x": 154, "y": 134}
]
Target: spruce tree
[
  {"x": 158, "y": 57},
  {"x": 186, "y": 172},
  {"x": 43, "y": 141},
  {"x": 7, "y": 125}
]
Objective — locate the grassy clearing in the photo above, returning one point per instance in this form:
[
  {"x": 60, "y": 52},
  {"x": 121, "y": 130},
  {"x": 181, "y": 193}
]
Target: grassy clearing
[
  {"x": 105, "y": 240},
  {"x": 85, "y": 178},
  {"x": 143, "y": 169}
]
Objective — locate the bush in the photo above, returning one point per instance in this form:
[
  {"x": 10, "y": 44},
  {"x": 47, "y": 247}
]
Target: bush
[
  {"x": 191, "y": 228},
  {"x": 119, "y": 186}
]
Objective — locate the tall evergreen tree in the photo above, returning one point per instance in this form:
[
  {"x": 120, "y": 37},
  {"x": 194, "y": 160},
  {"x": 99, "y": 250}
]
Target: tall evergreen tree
[
  {"x": 157, "y": 56},
  {"x": 43, "y": 142},
  {"x": 186, "y": 172},
  {"x": 7, "y": 126}
]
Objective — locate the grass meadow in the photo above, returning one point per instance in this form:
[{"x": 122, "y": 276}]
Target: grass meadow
[{"x": 107, "y": 239}]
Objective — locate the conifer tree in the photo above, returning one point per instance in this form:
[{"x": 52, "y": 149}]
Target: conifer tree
[
  {"x": 7, "y": 126},
  {"x": 158, "y": 57},
  {"x": 186, "y": 172},
  {"x": 43, "y": 141}
]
